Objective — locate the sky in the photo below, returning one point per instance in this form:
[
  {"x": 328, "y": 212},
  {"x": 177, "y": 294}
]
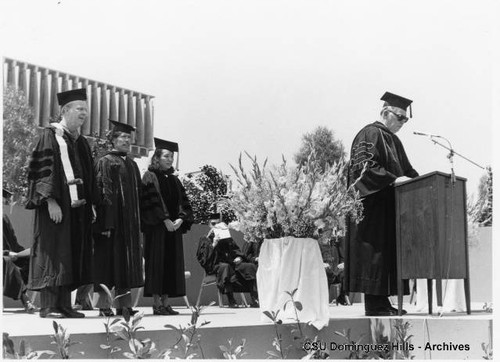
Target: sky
[{"x": 232, "y": 76}]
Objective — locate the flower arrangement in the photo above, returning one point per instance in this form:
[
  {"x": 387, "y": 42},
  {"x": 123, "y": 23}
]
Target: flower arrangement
[{"x": 293, "y": 201}]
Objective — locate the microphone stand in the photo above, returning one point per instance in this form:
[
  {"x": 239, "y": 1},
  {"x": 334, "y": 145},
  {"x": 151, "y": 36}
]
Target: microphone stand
[
  {"x": 453, "y": 182},
  {"x": 451, "y": 154}
]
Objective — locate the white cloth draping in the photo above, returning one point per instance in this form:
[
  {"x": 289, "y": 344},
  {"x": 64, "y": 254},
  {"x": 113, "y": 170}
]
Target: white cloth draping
[
  {"x": 289, "y": 263},
  {"x": 453, "y": 296}
]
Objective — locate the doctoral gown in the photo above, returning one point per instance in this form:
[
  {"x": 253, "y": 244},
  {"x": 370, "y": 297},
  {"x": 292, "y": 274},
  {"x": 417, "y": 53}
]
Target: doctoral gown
[
  {"x": 118, "y": 259},
  {"x": 61, "y": 254},
  {"x": 15, "y": 273},
  {"x": 233, "y": 277},
  {"x": 377, "y": 159},
  {"x": 164, "y": 197}
]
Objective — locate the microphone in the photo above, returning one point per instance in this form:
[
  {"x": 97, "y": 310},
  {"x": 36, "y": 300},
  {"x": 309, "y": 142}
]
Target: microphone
[{"x": 425, "y": 134}]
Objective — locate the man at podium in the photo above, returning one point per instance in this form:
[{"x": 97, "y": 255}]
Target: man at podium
[{"x": 378, "y": 159}]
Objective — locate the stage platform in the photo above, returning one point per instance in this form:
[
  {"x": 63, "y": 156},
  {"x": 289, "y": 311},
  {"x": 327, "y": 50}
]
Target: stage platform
[{"x": 446, "y": 331}]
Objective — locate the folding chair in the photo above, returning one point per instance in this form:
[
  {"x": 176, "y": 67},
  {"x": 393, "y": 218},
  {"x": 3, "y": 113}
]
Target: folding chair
[{"x": 211, "y": 279}]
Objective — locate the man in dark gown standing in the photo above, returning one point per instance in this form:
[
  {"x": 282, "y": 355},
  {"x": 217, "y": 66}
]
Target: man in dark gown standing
[
  {"x": 118, "y": 250},
  {"x": 62, "y": 193},
  {"x": 378, "y": 159}
]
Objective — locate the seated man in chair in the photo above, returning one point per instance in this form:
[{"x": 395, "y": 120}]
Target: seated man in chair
[
  {"x": 218, "y": 254},
  {"x": 15, "y": 263},
  {"x": 332, "y": 252}
]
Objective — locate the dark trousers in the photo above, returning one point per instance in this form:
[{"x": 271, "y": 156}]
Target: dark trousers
[
  {"x": 13, "y": 283},
  {"x": 239, "y": 279},
  {"x": 55, "y": 297}
]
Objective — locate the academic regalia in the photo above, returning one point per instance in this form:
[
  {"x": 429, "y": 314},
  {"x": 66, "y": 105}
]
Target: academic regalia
[
  {"x": 118, "y": 259},
  {"x": 371, "y": 247},
  {"x": 251, "y": 251},
  {"x": 205, "y": 255},
  {"x": 231, "y": 277},
  {"x": 164, "y": 197},
  {"x": 15, "y": 273},
  {"x": 61, "y": 253},
  {"x": 13, "y": 284}
]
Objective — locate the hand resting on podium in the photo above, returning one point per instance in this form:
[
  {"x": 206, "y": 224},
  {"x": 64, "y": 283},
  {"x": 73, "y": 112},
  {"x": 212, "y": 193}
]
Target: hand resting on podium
[{"x": 401, "y": 179}]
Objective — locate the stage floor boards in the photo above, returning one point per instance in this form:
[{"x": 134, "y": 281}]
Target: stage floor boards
[{"x": 226, "y": 323}]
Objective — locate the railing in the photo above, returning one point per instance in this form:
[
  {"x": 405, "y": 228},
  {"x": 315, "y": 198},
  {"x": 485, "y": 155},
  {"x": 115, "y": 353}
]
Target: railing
[{"x": 106, "y": 101}]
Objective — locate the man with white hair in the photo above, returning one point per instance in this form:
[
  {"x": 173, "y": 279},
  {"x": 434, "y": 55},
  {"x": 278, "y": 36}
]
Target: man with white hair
[
  {"x": 62, "y": 191},
  {"x": 378, "y": 159}
]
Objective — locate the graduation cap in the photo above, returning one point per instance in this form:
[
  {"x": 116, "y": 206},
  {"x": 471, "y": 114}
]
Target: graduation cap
[
  {"x": 167, "y": 145},
  {"x": 214, "y": 216},
  {"x": 121, "y": 127},
  {"x": 6, "y": 193},
  {"x": 64, "y": 98},
  {"x": 394, "y": 100}
]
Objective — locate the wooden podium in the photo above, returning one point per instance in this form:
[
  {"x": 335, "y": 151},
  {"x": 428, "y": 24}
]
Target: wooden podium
[{"x": 431, "y": 233}]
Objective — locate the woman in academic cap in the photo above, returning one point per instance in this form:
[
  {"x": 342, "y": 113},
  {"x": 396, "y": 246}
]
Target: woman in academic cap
[
  {"x": 117, "y": 233},
  {"x": 166, "y": 214}
]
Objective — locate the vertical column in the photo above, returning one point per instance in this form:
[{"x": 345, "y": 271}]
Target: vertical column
[
  {"x": 75, "y": 83},
  {"x": 148, "y": 124},
  {"x": 33, "y": 99},
  {"x": 131, "y": 114},
  {"x": 85, "y": 129},
  {"x": 104, "y": 111},
  {"x": 121, "y": 107},
  {"x": 65, "y": 83},
  {"x": 6, "y": 65},
  {"x": 11, "y": 72},
  {"x": 23, "y": 84},
  {"x": 44, "y": 99},
  {"x": 94, "y": 112},
  {"x": 139, "y": 122},
  {"x": 54, "y": 89},
  {"x": 113, "y": 113}
]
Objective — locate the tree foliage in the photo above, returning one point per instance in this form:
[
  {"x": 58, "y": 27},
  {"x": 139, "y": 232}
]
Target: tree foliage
[
  {"x": 205, "y": 191},
  {"x": 481, "y": 211},
  {"x": 19, "y": 137},
  {"x": 321, "y": 147}
]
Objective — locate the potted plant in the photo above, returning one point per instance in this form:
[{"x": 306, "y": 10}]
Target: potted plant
[{"x": 289, "y": 207}]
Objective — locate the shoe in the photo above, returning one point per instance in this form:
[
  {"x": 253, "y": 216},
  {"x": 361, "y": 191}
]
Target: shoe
[
  {"x": 254, "y": 302},
  {"x": 84, "y": 306},
  {"x": 341, "y": 300},
  {"x": 29, "y": 307},
  {"x": 170, "y": 311},
  {"x": 231, "y": 301},
  {"x": 50, "y": 313},
  {"x": 403, "y": 312},
  {"x": 106, "y": 312},
  {"x": 68, "y": 312},
  {"x": 161, "y": 310},
  {"x": 383, "y": 312},
  {"x": 132, "y": 312}
]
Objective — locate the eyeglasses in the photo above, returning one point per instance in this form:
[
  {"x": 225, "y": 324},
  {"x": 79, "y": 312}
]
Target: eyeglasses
[{"x": 400, "y": 117}]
